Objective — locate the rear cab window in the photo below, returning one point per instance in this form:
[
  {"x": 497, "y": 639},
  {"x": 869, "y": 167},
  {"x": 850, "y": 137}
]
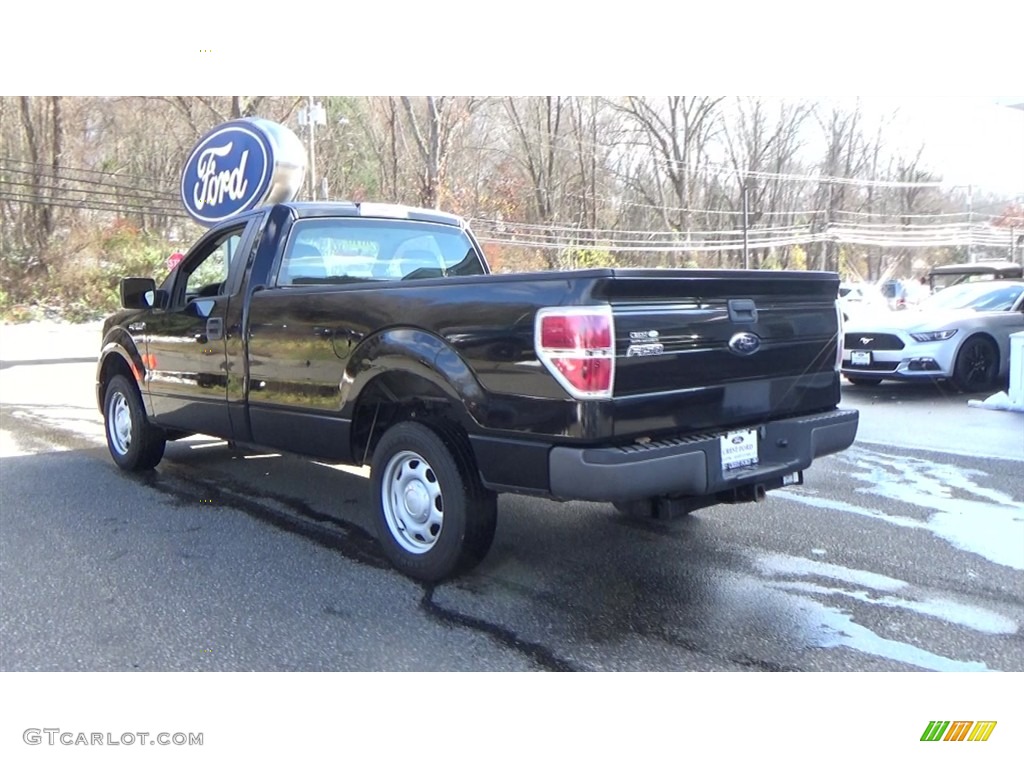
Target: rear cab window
[{"x": 336, "y": 251}]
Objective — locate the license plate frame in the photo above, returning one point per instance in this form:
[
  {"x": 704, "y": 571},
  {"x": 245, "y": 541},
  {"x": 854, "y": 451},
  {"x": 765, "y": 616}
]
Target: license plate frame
[
  {"x": 860, "y": 358},
  {"x": 739, "y": 448}
]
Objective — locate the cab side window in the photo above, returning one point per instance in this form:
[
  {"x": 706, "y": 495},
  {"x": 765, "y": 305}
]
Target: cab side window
[
  {"x": 211, "y": 272},
  {"x": 206, "y": 272}
]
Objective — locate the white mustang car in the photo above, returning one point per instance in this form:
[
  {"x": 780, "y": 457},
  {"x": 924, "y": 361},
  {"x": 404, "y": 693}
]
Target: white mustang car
[{"x": 961, "y": 333}]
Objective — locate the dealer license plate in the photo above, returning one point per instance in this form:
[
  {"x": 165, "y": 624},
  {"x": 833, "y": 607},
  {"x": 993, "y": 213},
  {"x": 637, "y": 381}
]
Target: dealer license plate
[
  {"x": 860, "y": 358},
  {"x": 739, "y": 449}
]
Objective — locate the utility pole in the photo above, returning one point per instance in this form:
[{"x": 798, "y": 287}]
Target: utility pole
[
  {"x": 312, "y": 150},
  {"x": 970, "y": 224},
  {"x": 1016, "y": 239},
  {"x": 311, "y": 115},
  {"x": 746, "y": 224}
]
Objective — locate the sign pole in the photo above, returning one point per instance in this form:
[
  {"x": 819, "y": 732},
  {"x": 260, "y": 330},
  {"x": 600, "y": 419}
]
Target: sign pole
[{"x": 312, "y": 149}]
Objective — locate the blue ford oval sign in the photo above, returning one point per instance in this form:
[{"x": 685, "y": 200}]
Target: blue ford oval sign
[
  {"x": 744, "y": 343},
  {"x": 241, "y": 165}
]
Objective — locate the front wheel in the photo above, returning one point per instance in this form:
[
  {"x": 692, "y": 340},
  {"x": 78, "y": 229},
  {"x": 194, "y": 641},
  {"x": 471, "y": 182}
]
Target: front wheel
[
  {"x": 134, "y": 443},
  {"x": 434, "y": 518},
  {"x": 976, "y": 365}
]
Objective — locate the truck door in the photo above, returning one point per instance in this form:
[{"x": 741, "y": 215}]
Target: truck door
[{"x": 189, "y": 375}]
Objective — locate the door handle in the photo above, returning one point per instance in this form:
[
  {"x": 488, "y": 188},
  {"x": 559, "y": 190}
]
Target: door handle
[
  {"x": 742, "y": 311},
  {"x": 215, "y": 328}
]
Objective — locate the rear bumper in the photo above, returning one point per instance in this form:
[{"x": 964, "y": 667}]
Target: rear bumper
[{"x": 692, "y": 466}]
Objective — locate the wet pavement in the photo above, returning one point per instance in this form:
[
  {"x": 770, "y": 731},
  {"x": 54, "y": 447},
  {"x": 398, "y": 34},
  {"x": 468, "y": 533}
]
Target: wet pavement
[{"x": 905, "y": 552}]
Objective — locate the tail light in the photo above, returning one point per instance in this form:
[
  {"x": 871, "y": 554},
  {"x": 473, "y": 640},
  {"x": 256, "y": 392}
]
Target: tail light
[
  {"x": 577, "y": 344},
  {"x": 840, "y": 337}
]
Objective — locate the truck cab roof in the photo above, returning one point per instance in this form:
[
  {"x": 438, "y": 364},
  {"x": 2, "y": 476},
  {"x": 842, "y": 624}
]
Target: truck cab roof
[{"x": 316, "y": 209}]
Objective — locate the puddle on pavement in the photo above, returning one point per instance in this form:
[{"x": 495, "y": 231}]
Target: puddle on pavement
[
  {"x": 829, "y": 627},
  {"x": 962, "y": 512}
]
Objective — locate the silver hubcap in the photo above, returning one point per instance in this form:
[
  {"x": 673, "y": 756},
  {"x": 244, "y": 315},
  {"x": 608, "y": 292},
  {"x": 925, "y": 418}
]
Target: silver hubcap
[
  {"x": 413, "y": 506},
  {"x": 119, "y": 424}
]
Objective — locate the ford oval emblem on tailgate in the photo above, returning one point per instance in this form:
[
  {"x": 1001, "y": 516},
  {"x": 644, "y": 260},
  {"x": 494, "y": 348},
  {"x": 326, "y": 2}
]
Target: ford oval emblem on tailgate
[{"x": 744, "y": 343}]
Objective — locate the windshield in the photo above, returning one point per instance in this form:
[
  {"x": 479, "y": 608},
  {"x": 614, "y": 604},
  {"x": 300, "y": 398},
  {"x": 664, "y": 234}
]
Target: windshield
[{"x": 980, "y": 296}]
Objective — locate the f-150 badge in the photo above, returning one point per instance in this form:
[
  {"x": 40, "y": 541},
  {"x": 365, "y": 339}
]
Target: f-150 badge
[{"x": 642, "y": 350}]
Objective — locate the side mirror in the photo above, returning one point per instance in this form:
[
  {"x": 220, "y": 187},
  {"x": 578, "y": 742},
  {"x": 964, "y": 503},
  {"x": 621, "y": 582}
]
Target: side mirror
[{"x": 138, "y": 292}]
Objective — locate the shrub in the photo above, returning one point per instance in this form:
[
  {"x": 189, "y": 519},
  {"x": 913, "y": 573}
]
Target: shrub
[{"x": 84, "y": 276}]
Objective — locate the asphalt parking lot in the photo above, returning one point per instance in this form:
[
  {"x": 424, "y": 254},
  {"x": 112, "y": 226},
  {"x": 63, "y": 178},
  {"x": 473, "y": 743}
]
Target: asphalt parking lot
[{"x": 904, "y": 553}]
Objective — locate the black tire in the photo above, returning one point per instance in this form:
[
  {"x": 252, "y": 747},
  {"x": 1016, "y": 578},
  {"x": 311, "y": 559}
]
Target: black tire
[
  {"x": 977, "y": 365},
  {"x": 134, "y": 443},
  {"x": 433, "y": 516},
  {"x": 863, "y": 381}
]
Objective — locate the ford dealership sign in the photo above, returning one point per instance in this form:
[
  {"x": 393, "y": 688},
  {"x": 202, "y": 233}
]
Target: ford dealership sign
[{"x": 241, "y": 165}]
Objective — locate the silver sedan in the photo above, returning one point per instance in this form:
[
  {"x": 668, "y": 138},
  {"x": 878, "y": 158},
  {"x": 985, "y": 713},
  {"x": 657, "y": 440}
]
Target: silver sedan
[{"x": 961, "y": 333}]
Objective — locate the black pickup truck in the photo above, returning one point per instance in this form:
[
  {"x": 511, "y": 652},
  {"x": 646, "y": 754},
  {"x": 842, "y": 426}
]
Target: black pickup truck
[{"x": 372, "y": 334}]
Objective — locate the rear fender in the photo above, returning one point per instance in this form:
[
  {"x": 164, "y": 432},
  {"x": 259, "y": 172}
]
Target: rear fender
[{"x": 419, "y": 353}]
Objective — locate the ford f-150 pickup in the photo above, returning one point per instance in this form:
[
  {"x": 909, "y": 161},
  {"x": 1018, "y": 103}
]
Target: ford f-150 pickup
[{"x": 373, "y": 334}]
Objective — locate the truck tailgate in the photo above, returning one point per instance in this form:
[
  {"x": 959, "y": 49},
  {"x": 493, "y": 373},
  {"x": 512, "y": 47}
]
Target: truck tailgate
[{"x": 695, "y": 349}]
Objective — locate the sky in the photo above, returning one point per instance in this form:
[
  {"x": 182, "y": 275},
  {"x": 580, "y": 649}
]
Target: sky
[
  {"x": 941, "y": 61},
  {"x": 968, "y": 140}
]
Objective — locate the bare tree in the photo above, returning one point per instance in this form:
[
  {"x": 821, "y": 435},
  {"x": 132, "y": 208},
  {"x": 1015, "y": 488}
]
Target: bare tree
[
  {"x": 843, "y": 160},
  {"x": 607, "y": 174},
  {"x": 761, "y": 150},
  {"x": 676, "y": 135},
  {"x": 433, "y": 127},
  {"x": 538, "y": 126},
  {"x": 380, "y": 124}
]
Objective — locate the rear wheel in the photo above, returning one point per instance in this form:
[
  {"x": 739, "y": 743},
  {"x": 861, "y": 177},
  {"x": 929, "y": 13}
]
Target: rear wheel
[
  {"x": 976, "y": 366},
  {"x": 434, "y": 518},
  {"x": 863, "y": 381},
  {"x": 134, "y": 443}
]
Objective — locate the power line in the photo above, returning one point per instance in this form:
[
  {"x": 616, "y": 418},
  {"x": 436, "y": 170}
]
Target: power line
[
  {"x": 552, "y": 232},
  {"x": 90, "y": 205},
  {"x": 71, "y": 190},
  {"x": 549, "y": 228},
  {"x": 167, "y": 196},
  {"x": 144, "y": 200},
  {"x": 764, "y": 175},
  {"x": 909, "y": 235},
  {"x": 118, "y": 174}
]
